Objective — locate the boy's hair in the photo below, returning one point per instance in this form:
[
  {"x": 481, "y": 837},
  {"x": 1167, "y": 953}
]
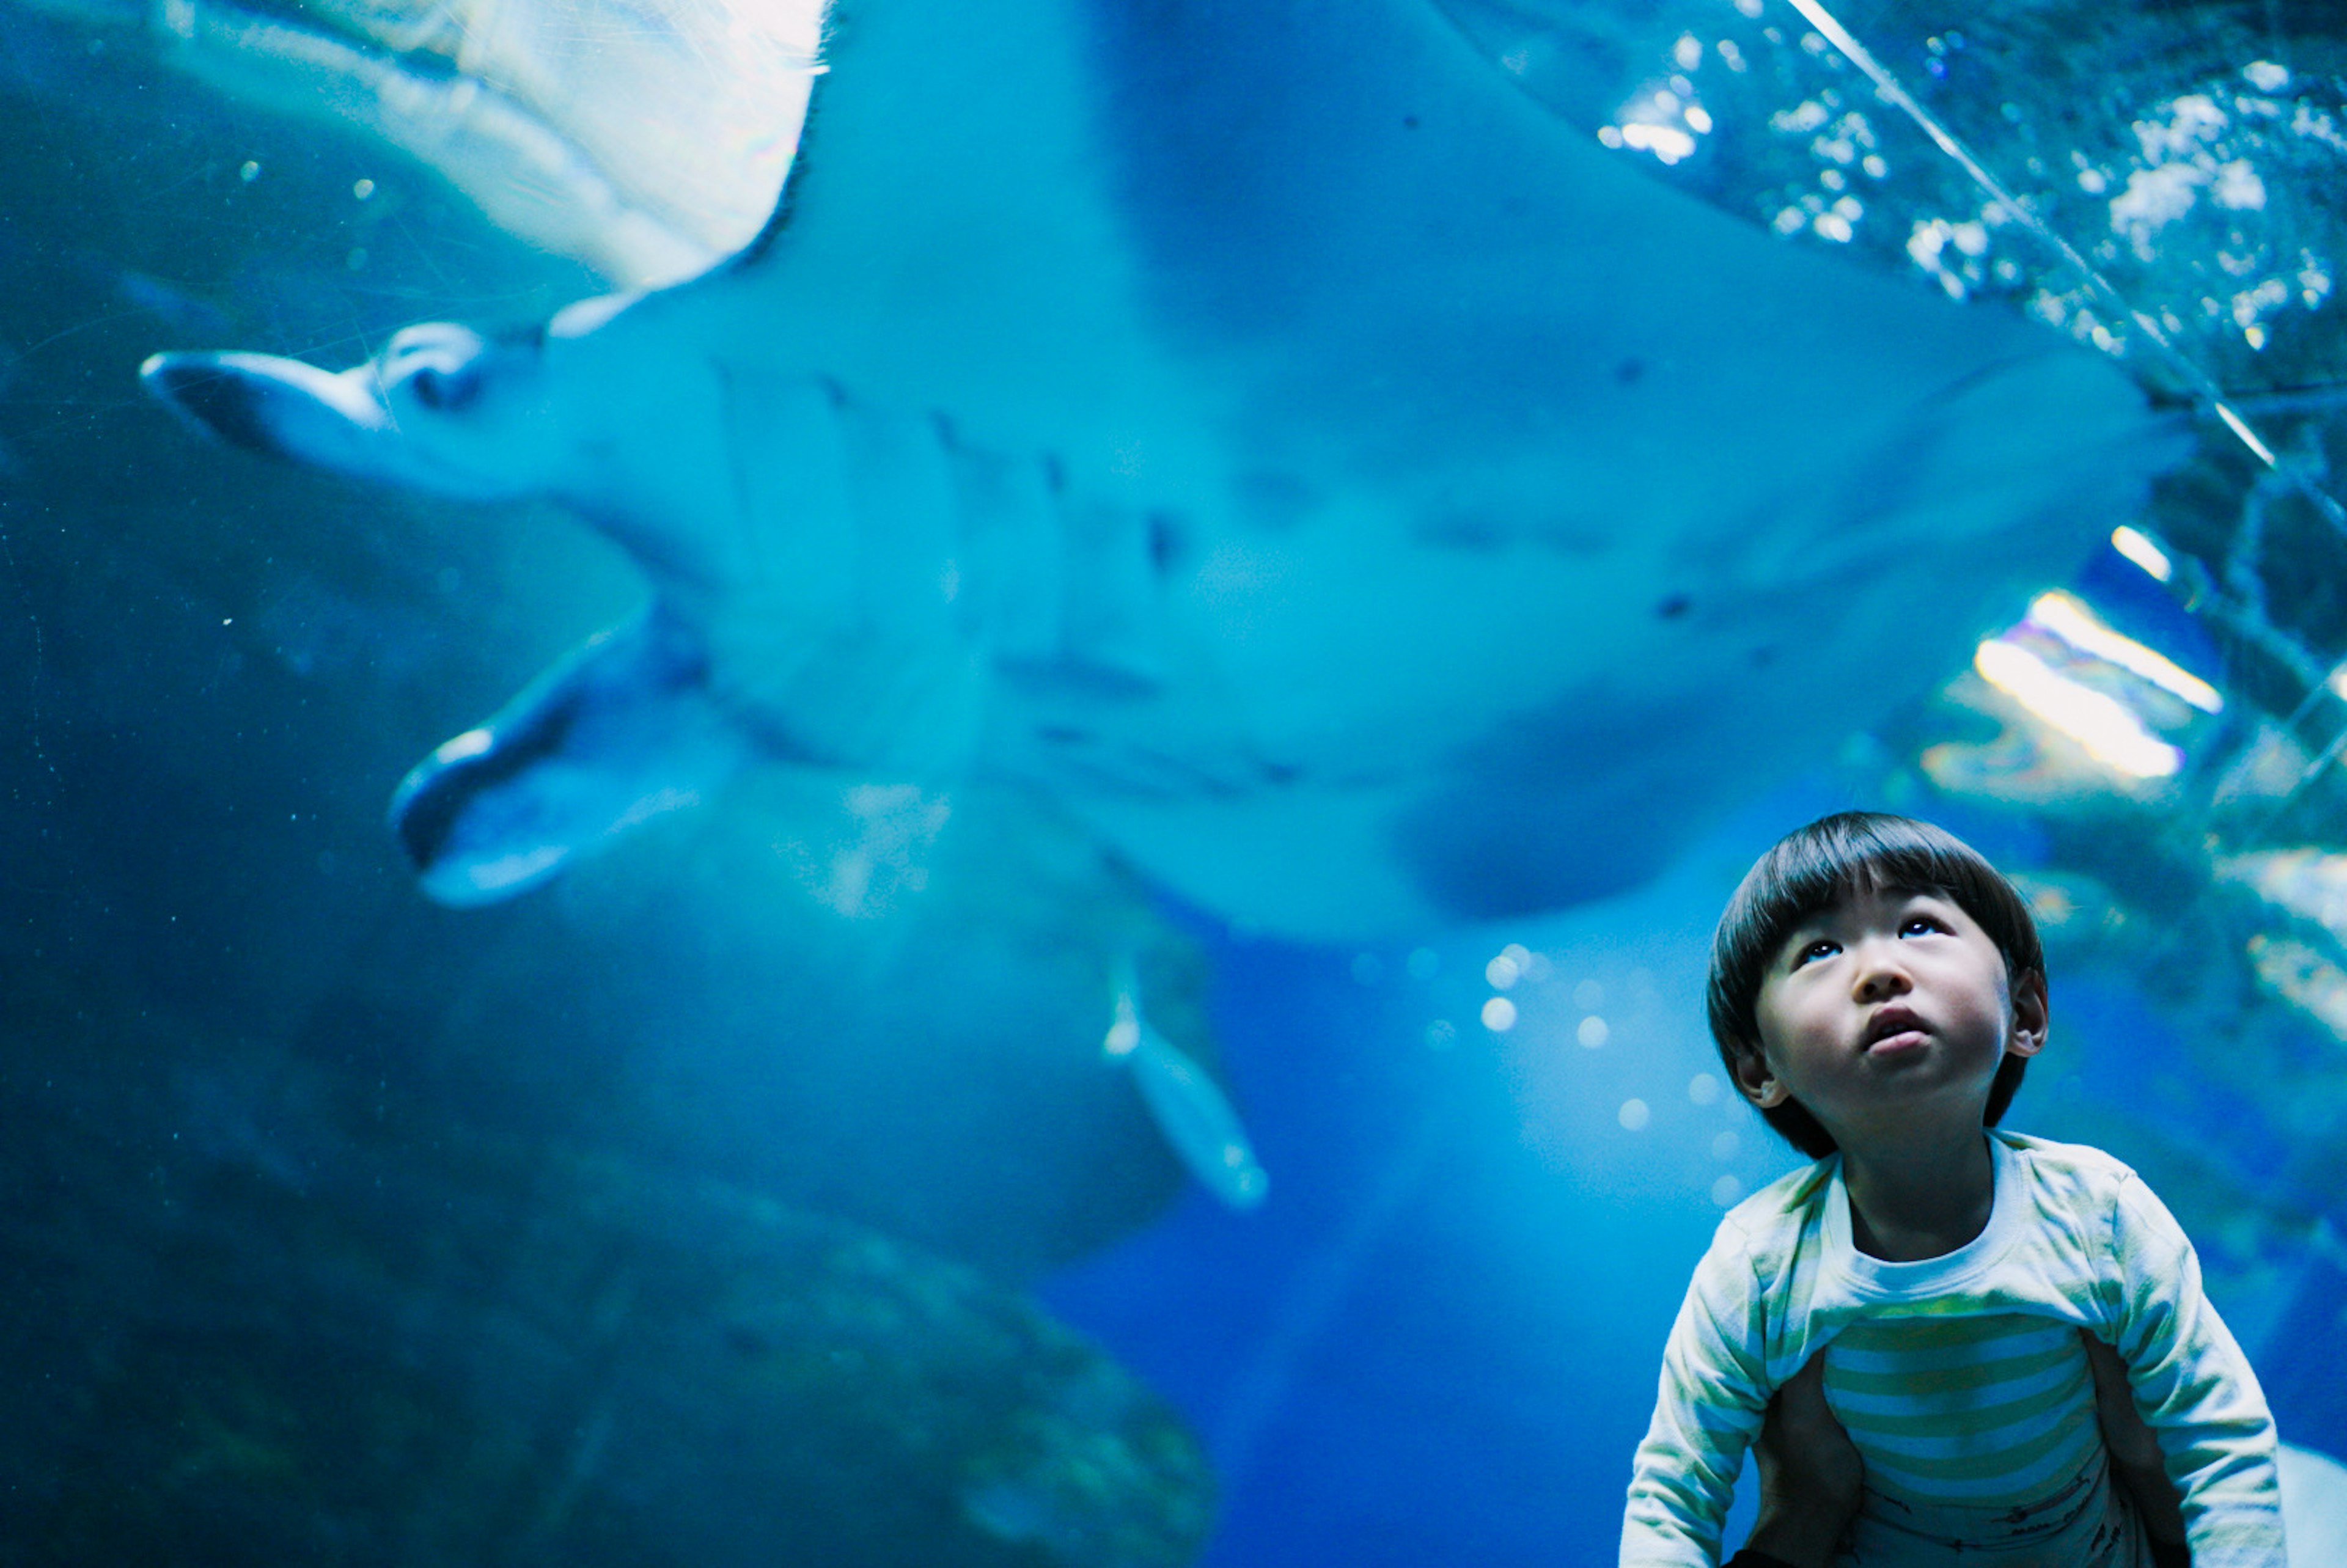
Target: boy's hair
[{"x": 1813, "y": 867}]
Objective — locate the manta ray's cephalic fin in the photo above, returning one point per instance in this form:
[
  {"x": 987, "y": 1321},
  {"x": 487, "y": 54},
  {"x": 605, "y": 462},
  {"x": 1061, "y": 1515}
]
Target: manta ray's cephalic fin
[{"x": 619, "y": 732}]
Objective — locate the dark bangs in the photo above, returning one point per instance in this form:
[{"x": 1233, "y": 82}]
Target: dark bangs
[{"x": 1812, "y": 869}]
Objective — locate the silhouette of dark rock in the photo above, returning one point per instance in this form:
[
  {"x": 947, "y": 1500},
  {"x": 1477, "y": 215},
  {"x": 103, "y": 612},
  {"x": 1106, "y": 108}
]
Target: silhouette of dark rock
[{"x": 258, "y": 1314}]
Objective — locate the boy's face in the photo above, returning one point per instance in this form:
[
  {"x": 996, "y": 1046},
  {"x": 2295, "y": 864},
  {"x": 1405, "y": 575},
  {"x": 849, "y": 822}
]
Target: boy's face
[{"x": 1887, "y": 1014}]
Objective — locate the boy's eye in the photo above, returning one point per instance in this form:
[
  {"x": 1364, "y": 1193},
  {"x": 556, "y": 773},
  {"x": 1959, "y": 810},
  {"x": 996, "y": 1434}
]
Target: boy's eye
[
  {"x": 1820, "y": 949},
  {"x": 1914, "y": 925}
]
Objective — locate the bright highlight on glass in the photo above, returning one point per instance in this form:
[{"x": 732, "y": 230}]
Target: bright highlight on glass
[
  {"x": 1499, "y": 1015},
  {"x": 2308, "y": 882},
  {"x": 2110, "y": 735},
  {"x": 1651, "y": 124},
  {"x": 471, "y": 744},
  {"x": 1665, "y": 141},
  {"x": 2068, "y": 619},
  {"x": 2139, "y": 547}
]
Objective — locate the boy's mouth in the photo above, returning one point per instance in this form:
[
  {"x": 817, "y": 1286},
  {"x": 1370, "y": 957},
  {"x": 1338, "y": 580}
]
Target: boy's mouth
[{"x": 1894, "y": 1028}]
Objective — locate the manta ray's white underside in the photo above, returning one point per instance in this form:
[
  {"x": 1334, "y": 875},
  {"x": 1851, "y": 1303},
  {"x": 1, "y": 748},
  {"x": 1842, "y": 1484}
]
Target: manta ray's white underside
[{"x": 1361, "y": 501}]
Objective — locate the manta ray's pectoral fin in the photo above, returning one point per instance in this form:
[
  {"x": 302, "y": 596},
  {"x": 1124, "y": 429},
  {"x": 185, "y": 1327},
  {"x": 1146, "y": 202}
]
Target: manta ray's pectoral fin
[
  {"x": 1190, "y": 1109},
  {"x": 617, "y": 732},
  {"x": 1984, "y": 474}
]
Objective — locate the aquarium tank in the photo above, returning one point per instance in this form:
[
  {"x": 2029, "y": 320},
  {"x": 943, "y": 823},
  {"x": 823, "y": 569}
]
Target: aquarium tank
[{"x": 917, "y": 783}]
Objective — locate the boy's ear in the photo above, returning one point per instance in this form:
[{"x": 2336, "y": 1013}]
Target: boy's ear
[
  {"x": 1755, "y": 1083},
  {"x": 2031, "y": 1017}
]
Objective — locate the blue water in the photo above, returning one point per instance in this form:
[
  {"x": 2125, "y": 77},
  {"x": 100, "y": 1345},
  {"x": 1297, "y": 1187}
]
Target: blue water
[{"x": 1447, "y": 1347}]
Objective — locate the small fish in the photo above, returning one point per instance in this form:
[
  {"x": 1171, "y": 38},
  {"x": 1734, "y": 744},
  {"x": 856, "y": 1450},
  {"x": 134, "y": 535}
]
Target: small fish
[{"x": 1190, "y": 1110}]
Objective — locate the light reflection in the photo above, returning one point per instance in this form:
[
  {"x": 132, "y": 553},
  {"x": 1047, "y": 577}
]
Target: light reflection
[
  {"x": 1592, "y": 1032},
  {"x": 2311, "y": 883},
  {"x": 1123, "y": 1036},
  {"x": 1666, "y": 142},
  {"x": 471, "y": 744},
  {"x": 2067, "y": 618},
  {"x": 1702, "y": 1089},
  {"x": 2304, "y": 977},
  {"x": 1726, "y": 1192},
  {"x": 2102, "y": 725},
  {"x": 1634, "y": 1114},
  {"x": 1653, "y": 122},
  {"x": 2140, "y": 548},
  {"x": 1499, "y": 1015}
]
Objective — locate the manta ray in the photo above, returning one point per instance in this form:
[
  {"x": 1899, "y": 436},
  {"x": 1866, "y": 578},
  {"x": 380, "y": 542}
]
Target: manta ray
[{"x": 1361, "y": 501}]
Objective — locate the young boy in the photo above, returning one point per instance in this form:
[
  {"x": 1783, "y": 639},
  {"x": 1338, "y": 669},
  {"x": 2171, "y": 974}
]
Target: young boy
[{"x": 1877, "y": 989}]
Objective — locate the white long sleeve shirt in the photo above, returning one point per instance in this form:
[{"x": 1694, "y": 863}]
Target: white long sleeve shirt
[{"x": 1961, "y": 1378}]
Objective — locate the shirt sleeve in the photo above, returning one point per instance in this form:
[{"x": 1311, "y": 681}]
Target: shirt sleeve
[
  {"x": 1713, "y": 1392},
  {"x": 2194, "y": 1389}
]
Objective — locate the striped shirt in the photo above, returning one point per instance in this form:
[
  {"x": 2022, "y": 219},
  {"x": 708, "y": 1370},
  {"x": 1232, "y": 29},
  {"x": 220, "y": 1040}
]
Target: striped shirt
[{"x": 1961, "y": 1378}]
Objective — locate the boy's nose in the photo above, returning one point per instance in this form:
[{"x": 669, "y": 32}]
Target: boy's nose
[{"x": 1879, "y": 974}]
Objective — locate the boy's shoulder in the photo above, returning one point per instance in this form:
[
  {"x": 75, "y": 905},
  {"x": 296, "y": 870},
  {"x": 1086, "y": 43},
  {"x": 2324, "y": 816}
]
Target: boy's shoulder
[
  {"x": 2079, "y": 1168},
  {"x": 1767, "y": 1228},
  {"x": 1769, "y": 1223}
]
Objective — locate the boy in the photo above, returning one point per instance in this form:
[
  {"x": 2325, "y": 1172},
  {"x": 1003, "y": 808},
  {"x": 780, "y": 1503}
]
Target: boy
[{"x": 1877, "y": 989}]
